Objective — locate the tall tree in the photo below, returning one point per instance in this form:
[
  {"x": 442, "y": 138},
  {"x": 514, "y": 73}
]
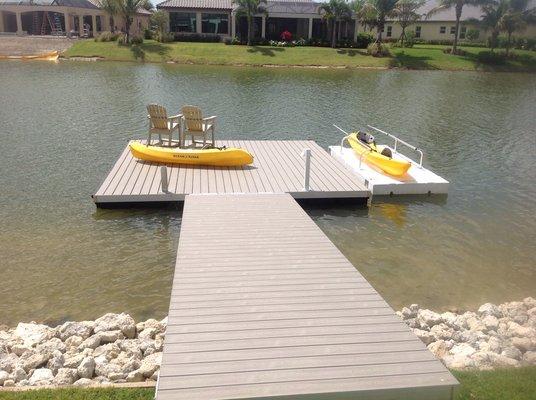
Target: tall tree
[
  {"x": 365, "y": 13},
  {"x": 516, "y": 18},
  {"x": 458, "y": 7},
  {"x": 383, "y": 9},
  {"x": 335, "y": 11},
  {"x": 127, "y": 9},
  {"x": 405, "y": 13},
  {"x": 248, "y": 9}
]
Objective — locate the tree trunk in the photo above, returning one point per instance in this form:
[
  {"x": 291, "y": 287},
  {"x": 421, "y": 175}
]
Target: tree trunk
[
  {"x": 508, "y": 43},
  {"x": 333, "y": 33},
  {"x": 128, "y": 21},
  {"x": 381, "y": 26},
  {"x": 403, "y": 36},
  {"x": 250, "y": 29},
  {"x": 457, "y": 28}
]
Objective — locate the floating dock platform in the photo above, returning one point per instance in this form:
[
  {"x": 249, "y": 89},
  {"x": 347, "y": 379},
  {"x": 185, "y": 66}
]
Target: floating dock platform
[
  {"x": 418, "y": 179},
  {"x": 278, "y": 167},
  {"x": 264, "y": 306}
]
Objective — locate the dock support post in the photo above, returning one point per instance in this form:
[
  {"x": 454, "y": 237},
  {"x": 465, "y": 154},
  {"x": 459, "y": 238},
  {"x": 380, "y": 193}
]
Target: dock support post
[
  {"x": 164, "y": 178},
  {"x": 307, "y": 154}
]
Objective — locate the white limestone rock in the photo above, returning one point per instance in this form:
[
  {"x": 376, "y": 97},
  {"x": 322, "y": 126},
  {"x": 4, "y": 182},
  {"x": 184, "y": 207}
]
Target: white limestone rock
[
  {"x": 83, "y": 382},
  {"x": 82, "y": 329},
  {"x": 530, "y": 302},
  {"x": 524, "y": 343},
  {"x": 490, "y": 309},
  {"x": 458, "y": 361},
  {"x": 32, "y": 334},
  {"x": 135, "y": 376},
  {"x": 65, "y": 376},
  {"x": 56, "y": 361},
  {"x": 73, "y": 361},
  {"x": 439, "y": 348},
  {"x": 9, "y": 383},
  {"x": 490, "y": 322},
  {"x": 91, "y": 342},
  {"x": 148, "y": 333},
  {"x": 514, "y": 329},
  {"x": 111, "y": 322},
  {"x": 4, "y": 376},
  {"x": 31, "y": 360},
  {"x": 19, "y": 374},
  {"x": 529, "y": 358},
  {"x": 462, "y": 349},
  {"x": 41, "y": 376},
  {"x": 512, "y": 352},
  {"x": 86, "y": 367},
  {"x": 150, "y": 364},
  {"x": 425, "y": 336},
  {"x": 109, "y": 350},
  {"x": 8, "y": 361},
  {"x": 73, "y": 341},
  {"x": 20, "y": 349},
  {"x": 110, "y": 336},
  {"x": 428, "y": 318}
]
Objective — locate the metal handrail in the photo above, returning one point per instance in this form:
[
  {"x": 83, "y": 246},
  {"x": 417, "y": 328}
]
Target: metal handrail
[
  {"x": 397, "y": 140},
  {"x": 346, "y": 138}
]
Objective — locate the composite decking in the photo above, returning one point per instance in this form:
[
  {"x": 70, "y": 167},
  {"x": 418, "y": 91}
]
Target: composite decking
[
  {"x": 263, "y": 305},
  {"x": 278, "y": 168}
]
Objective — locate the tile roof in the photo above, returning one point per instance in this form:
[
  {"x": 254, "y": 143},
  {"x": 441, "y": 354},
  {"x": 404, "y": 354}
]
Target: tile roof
[{"x": 212, "y": 4}]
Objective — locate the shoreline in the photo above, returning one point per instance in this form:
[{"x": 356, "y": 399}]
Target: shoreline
[{"x": 115, "y": 351}]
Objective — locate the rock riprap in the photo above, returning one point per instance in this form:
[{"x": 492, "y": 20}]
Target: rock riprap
[
  {"x": 495, "y": 336},
  {"x": 111, "y": 349},
  {"x": 116, "y": 349}
]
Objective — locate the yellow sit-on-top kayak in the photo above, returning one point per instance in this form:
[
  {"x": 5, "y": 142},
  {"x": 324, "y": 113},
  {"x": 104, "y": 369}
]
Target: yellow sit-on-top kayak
[
  {"x": 218, "y": 157},
  {"x": 50, "y": 56},
  {"x": 372, "y": 155}
]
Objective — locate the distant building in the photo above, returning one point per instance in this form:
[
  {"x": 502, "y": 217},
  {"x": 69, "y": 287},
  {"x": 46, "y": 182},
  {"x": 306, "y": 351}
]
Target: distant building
[
  {"x": 303, "y": 20},
  {"x": 63, "y": 18}
]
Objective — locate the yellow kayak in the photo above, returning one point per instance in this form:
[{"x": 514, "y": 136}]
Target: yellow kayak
[
  {"x": 374, "y": 157},
  {"x": 225, "y": 157},
  {"x": 50, "y": 56}
]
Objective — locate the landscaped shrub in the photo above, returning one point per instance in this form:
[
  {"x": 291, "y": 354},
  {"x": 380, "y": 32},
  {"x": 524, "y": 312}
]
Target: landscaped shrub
[
  {"x": 489, "y": 57},
  {"x": 363, "y": 40},
  {"x": 122, "y": 40},
  {"x": 231, "y": 41},
  {"x": 164, "y": 37},
  {"x": 148, "y": 34},
  {"x": 196, "y": 37},
  {"x": 136, "y": 39},
  {"x": 472, "y": 34},
  {"x": 459, "y": 52},
  {"x": 378, "y": 50},
  {"x": 106, "y": 37}
]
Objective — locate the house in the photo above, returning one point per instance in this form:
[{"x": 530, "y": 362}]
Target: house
[
  {"x": 303, "y": 19},
  {"x": 63, "y": 18}
]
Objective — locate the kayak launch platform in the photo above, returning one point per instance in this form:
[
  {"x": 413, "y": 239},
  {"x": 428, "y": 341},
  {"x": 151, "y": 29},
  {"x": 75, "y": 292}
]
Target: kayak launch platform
[
  {"x": 280, "y": 166},
  {"x": 264, "y": 306},
  {"x": 417, "y": 180}
]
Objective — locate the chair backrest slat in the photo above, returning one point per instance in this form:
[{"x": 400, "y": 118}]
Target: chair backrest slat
[
  {"x": 193, "y": 118},
  {"x": 158, "y": 115}
]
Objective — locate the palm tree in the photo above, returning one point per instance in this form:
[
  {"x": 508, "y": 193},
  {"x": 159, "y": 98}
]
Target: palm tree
[
  {"x": 383, "y": 9},
  {"x": 334, "y": 12},
  {"x": 127, "y": 9},
  {"x": 493, "y": 13},
  {"x": 458, "y": 7},
  {"x": 110, "y": 7},
  {"x": 248, "y": 9},
  {"x": 516, "y": 18},
  {"x": 365, "y": 13},
  {"x": 406, "y": 14}
]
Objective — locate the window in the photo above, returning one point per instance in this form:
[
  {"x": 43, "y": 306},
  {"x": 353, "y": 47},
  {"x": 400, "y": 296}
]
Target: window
[
  {"x": 442, "y": 29},
  {"x": 215, "y": 23},
  {"x": 452, "y": 30},
  {"x": 417, "y": 31},
  {"x": 389, "y": 31},
  {"x": 182, "y": 22},
  {"x": 463, "y": 31}
]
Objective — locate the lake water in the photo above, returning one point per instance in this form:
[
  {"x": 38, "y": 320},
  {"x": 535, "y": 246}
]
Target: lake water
[{"x": 63, "y": 125}]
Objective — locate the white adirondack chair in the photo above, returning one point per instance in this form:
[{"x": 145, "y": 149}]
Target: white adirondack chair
[
  {"x": 196, "y": 126},
  {"x": 161, "y": 124}
]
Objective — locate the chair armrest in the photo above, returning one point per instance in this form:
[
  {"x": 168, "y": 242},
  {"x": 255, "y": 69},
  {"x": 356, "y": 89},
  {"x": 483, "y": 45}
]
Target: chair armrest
[
  {"x": 175, "y": 116},
  {"x": 212, "y": 118}
]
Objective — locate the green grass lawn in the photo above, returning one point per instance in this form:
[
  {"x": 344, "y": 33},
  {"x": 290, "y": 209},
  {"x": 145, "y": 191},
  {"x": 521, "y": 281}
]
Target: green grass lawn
[
  {"x": 508, "y": 384},
  {"x": 419, "y": 57}
]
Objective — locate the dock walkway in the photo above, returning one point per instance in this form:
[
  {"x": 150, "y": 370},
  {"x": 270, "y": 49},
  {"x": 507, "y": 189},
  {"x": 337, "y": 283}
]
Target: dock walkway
[
  {"x": 264, "y": 305},
  {"x": 278, "y": 168}
]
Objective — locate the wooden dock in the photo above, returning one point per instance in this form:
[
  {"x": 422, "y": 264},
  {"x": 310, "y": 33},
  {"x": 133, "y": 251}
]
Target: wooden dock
[
  {"x": 278, "y": 168},
  {"x": 263, "y": 305}
]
